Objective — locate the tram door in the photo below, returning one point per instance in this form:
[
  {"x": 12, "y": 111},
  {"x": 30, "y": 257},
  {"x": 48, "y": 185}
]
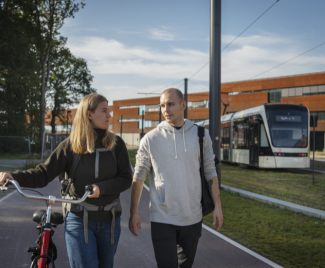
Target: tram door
[
  {"x": 254, "y": 143},
  {"x": 226, "y": 143}
]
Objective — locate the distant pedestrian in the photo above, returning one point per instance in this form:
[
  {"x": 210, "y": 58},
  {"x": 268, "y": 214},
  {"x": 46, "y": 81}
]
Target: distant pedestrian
[
  {"x": 171, "y": 155},
  {"x": 104, "y": 163}
]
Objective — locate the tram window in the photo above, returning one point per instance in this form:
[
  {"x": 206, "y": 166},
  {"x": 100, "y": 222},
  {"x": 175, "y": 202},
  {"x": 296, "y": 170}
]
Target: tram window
[
  {"x": 240, "y": 136},
  {"x": 264, "y": 141}
]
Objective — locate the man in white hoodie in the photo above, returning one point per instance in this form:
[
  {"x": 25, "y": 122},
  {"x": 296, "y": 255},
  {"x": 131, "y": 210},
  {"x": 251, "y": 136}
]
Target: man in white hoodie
[{"x": 171, "y": 155}]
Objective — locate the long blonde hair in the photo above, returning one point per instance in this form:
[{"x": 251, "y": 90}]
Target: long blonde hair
[{"x": 83, "y": 136}]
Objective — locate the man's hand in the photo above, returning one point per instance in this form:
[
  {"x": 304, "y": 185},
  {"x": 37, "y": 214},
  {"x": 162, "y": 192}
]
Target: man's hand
[
  {"x": 134, "y": 223},
  {"x": 217, "y": 215},
  {"x": 4, "y": 176},
  {"x": 96, "y": 192}
]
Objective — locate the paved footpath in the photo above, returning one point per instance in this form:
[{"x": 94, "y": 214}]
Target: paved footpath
[{"x": 17, "y": 232}]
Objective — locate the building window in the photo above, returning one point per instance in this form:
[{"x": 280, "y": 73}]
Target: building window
[
  {"x": 197, "y": 104},
  {"x": 321, "y": 115},
  {"x": 152, "y": 108},
  {"x": 143, "y": 108},
  {"x": 146, "y": 123},
  {"x": 302, "y": 91},
  {"x": 275, "y": 95}
]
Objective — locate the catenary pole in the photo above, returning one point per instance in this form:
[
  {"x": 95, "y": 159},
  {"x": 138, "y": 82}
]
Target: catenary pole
[
  {"x": 121, "y": 124},
  {"x": 142, "y": 124},
  {"x": 314, "y": 124},
  {"x": 185, "y": 96},
  {"x": 215, "y": 79},
  {"x": 159, "y": 113}
]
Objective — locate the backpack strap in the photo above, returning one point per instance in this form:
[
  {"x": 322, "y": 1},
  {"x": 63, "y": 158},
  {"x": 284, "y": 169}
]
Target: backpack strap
[{"x": 201, "y": 134}]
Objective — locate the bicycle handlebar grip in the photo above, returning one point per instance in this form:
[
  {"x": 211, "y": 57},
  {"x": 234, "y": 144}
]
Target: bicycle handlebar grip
[
  {"x": 89, "y": 188},
  {"x": 7, "y": 183}
]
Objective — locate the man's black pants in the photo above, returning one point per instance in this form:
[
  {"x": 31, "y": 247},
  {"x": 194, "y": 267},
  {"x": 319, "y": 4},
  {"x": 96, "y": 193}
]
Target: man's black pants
[{"x": 175, "y": 246}]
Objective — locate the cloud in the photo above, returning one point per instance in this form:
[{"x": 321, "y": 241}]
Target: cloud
[
  {"x": 108, "y": 56},
  {"x": 268, "y": 39},
  {"x": 93, "y": 30},
  {"x": 161, "y": 34},
  {"x": 128, "y": 68}
]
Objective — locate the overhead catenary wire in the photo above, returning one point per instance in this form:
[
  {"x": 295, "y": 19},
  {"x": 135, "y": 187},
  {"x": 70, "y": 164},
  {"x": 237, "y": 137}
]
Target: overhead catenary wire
[
  {"x": 237, "y": 36},
  {"x": 197, "y": 85},
  {"x": 167, "y": 86},
  {"x": 287, "y": 61},
  {"x": 249, "y": 25}
]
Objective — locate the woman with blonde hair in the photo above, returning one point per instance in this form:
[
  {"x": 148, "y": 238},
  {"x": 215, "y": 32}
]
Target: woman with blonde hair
[{"x": 92, "y": 155}]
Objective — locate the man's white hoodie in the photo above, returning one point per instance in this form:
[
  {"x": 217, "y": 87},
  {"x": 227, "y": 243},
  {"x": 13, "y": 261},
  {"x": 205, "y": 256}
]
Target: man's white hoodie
[{"x": 172, "y": 158}]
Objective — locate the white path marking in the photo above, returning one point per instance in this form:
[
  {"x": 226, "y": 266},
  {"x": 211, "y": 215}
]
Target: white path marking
[{"x": 3, "y": 198}]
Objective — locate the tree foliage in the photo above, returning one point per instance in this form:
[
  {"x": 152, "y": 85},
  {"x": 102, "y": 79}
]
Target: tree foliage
[
  {"x": 69, "y": 81},
  {"x": 19, "y": 69},
  {"x": 33, "y": 57},
  {"x": 48, "y": 18}
]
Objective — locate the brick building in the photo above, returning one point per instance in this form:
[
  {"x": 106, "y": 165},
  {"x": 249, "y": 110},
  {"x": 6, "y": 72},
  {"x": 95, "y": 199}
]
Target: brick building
[{"x": 306, "y": 89}]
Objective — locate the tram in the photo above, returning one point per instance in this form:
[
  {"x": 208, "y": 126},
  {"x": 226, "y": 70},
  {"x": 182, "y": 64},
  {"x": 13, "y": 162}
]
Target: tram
[{"x": 267, "y": 136}]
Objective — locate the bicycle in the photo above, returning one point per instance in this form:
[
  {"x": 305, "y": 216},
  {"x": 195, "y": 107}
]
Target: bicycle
[{"x": 45, "y": 252}]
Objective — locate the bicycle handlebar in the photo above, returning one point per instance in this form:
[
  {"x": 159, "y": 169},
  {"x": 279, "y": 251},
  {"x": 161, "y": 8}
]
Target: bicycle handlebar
[{"x": 51, "y": 198}]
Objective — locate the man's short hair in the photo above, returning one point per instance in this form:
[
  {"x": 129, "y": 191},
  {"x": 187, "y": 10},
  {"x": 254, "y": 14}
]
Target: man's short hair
[{"x": 177, "y": 91}]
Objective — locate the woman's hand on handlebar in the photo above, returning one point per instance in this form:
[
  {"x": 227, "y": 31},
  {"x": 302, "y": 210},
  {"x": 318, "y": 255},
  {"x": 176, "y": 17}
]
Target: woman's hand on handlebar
[
  {"x": 4, "y": 176},
  {"x": 96, "y": 192}
]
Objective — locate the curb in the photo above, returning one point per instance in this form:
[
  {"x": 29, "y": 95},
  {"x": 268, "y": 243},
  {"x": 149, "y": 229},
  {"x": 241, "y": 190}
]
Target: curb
[{"x": 282, "y": 204}]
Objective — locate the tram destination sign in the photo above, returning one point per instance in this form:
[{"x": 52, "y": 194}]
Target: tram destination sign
[{"x": 288, "y": 118}]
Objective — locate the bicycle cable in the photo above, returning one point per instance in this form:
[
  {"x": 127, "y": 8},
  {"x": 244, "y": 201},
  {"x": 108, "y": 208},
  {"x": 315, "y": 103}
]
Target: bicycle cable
[{"x": 36, "y": 192}]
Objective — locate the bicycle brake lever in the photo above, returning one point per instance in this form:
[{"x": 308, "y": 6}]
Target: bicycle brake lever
[
  {"x": 6, "y": 185},
  {"x": 89, "y": 188}
]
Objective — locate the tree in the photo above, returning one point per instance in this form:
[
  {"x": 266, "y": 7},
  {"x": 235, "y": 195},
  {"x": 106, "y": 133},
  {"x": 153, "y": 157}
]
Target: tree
[
  {"x": 48, "y": 17},
  {"x": 69, "y": 81},
  {"x": 19, "y": 69}
]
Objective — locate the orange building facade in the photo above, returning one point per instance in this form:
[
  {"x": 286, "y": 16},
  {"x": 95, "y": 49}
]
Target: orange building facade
[{"x": 305, "y": 89}]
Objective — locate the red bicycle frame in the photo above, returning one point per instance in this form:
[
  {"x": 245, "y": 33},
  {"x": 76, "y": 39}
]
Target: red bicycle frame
[{"x": 44, "y": 249}]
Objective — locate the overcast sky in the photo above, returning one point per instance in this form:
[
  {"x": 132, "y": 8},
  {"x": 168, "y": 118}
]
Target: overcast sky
[{"x": 136, "y": 46}]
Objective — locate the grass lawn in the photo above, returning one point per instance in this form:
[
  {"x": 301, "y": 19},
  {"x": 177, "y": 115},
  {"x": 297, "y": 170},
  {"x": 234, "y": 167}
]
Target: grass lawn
[
  {"x": 288, "y": 238},
  {"x": 19, "y": 156},
  {"x": 320, "y": 153},
  {"x": 319, "y": 165},
  {"x": 289, "y": 185}
]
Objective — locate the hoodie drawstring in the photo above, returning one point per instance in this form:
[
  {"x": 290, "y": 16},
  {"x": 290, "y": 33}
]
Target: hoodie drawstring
[
  {"x": 175, "y": 145},
  {"x": 184, "y": 141}
]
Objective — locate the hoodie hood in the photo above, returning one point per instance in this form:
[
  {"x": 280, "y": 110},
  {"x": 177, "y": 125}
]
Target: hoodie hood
[
  {"x": 169, "y": 128},
  {"x": 187, "y": 125}
]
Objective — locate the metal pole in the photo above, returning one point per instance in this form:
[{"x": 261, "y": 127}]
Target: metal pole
[
  {"x": 159, "y": 114},
  {"x": 142, "y": 124},
  {"x": 67, "y": 122},
  {"x": 185, "y": 96},
  {"x": 215, "y": 79},
  {"x": 29, "y": 145},
  {"x": 43, "y": 141},
  {"x": 314, "y": 123},
  {"x": 121, "y": 122}
]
